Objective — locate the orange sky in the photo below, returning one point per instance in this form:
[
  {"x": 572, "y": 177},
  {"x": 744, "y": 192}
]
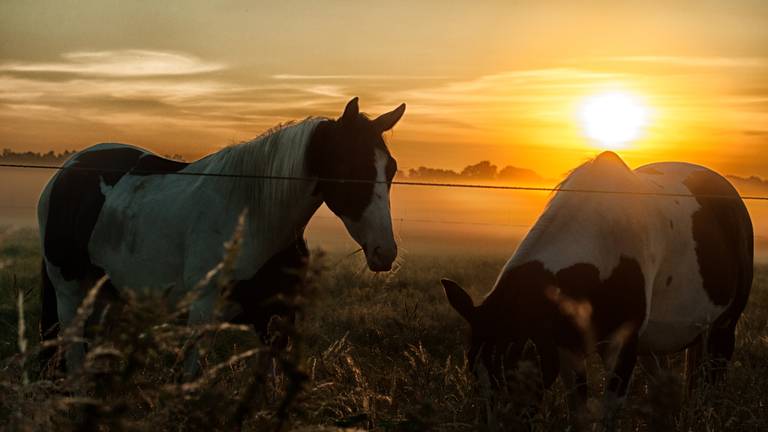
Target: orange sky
[{"x": 482, "y": 80}]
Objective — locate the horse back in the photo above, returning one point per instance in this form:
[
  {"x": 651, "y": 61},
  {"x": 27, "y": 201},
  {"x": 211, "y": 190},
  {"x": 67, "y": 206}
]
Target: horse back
[{"x": 73, "y": 200}]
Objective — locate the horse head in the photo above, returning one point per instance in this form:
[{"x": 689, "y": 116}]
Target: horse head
[
  {"x": 355, "y": 171},
  {"x": 502, "y": 338}
]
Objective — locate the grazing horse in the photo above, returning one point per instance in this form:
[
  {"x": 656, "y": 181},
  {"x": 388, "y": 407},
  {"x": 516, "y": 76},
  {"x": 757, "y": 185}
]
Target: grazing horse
[
  {"x": 626, "y": 273},
  {"x": 149, "y": 222}
]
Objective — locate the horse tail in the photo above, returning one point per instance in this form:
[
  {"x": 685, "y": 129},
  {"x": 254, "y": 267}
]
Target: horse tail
[
  {"x": 49, "y": 317},
  {"x": 744, "y": 256}
]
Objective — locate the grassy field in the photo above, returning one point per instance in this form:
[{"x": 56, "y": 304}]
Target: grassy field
[{"x": 381, "y": 352}]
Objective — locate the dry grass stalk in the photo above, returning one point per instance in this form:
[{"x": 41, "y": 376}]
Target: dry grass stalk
[{"x": 22, "y": 336}]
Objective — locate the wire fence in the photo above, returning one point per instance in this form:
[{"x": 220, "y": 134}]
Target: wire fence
[
  {"x": 395, "y": 218},
  {"x": 395, "y": 182}
]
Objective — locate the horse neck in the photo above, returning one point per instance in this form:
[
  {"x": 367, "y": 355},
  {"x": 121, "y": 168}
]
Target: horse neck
[
  {"x": 278, "y": 209},
  {"x": 588, "y": 227}
]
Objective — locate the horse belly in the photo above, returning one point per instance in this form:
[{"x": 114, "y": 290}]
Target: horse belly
[
  {"x": 667, "y": 338},
  {"x": 144, "y": 268},
  {"x": 680, "y": 312}
]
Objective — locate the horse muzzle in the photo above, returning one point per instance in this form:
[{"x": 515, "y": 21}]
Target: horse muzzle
[{"x": 380, "y": 258}]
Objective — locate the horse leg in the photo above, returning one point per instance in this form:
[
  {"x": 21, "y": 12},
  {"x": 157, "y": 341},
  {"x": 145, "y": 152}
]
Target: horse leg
[
  {"x": 651, "y": 365},
  {"x": 720, "y": 346},
  {"x": 106, "y": 309},
  {"x": 573, "y": 372},
  {"x": 694, "y": 357},
  {"x": 619, "y": 380},
  {"x": 68, "y": 295},
  {"x": 655, "y": 367},
  {"x": 48, "y": 358},
  {"x": 663, "y": 392},
  {"x": 200, "y": 312},
  {"x": 68, "y": 299}
]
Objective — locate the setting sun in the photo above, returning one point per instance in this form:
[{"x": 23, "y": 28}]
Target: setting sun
[{"x": 614, "y": 119}]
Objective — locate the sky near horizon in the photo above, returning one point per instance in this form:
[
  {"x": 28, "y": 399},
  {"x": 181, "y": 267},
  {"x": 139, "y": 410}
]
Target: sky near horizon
[{"x": 496, "y": 80}]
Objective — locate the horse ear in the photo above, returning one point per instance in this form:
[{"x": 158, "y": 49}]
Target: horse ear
[
  {"x": 459, "y": 299},
  {"x": 387, "y": 121},
  {"x": 351, "y": 111}
]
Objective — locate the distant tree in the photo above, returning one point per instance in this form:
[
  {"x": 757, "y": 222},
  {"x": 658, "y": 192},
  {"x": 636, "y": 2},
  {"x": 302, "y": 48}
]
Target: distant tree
[
  {"x": 483, "y": 170},
  {"x": 432, "y": 173},
  {"x": 751, "y": 184},
  {"x": 510, "y": 173}
]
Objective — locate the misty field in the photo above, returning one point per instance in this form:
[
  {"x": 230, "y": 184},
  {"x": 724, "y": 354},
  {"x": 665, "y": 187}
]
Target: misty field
[{"x": 381, "y": 352}]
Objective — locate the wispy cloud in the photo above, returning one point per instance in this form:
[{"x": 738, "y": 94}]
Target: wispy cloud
[
  {"x": 123, "y": 63},
  {"x": 707, "y": 62},
  {"x": 525, "y": 81},
  {"x": 293, "y": 77},
  {"x": 531, "y": 92},
  {"x": 27, "y": 89}
]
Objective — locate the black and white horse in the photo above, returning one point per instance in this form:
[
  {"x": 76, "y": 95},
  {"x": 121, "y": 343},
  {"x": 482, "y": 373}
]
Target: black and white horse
[
  {"x": 121, "y": 211},
  {"x": 622, "y": 274}
]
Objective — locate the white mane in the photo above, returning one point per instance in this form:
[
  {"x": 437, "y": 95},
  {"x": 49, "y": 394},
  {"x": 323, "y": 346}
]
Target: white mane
[{"x": 279, "y": 152}]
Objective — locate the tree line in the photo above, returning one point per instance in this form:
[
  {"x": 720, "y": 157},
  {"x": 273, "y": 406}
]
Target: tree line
[
  {"x": 9, "y": 155},
  {"x": 483, "y": 170}
]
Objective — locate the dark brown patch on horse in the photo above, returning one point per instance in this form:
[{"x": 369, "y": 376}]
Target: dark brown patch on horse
[
  {"x": 75, "y": 203},
  {"x": 344, "y": 149},
  {"x": 723, "y": 234},
  {"x": 618, "y": 303},
  {"x": 724, "y": 239},
  {"x": 150, "y": 164},
  {"x": 522, "y": 308}
]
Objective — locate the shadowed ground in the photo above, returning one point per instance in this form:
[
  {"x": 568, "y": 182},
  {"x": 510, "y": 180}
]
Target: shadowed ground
[{"x": 379, "y": 351}]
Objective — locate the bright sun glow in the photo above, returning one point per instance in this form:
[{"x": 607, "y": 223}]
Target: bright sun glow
[{"x": 614, "y": 119}]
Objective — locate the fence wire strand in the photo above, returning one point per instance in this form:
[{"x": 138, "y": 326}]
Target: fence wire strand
[{"x": 394, "y": 182}]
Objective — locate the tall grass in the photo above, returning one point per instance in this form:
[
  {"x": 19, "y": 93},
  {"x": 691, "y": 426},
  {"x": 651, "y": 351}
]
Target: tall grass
[{"x": 381, "y": 352}]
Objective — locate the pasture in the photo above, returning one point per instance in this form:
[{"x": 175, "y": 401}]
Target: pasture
[{"x": 379, "y": 352}]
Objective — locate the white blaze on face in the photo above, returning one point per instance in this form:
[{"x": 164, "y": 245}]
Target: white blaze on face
[{"x": 373, "y": 231}]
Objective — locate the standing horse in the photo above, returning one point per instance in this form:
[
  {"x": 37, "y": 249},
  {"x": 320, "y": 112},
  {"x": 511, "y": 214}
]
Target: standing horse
[
  {"x": 650, "y": 275},
  {"x": 122, "y": 211}
]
